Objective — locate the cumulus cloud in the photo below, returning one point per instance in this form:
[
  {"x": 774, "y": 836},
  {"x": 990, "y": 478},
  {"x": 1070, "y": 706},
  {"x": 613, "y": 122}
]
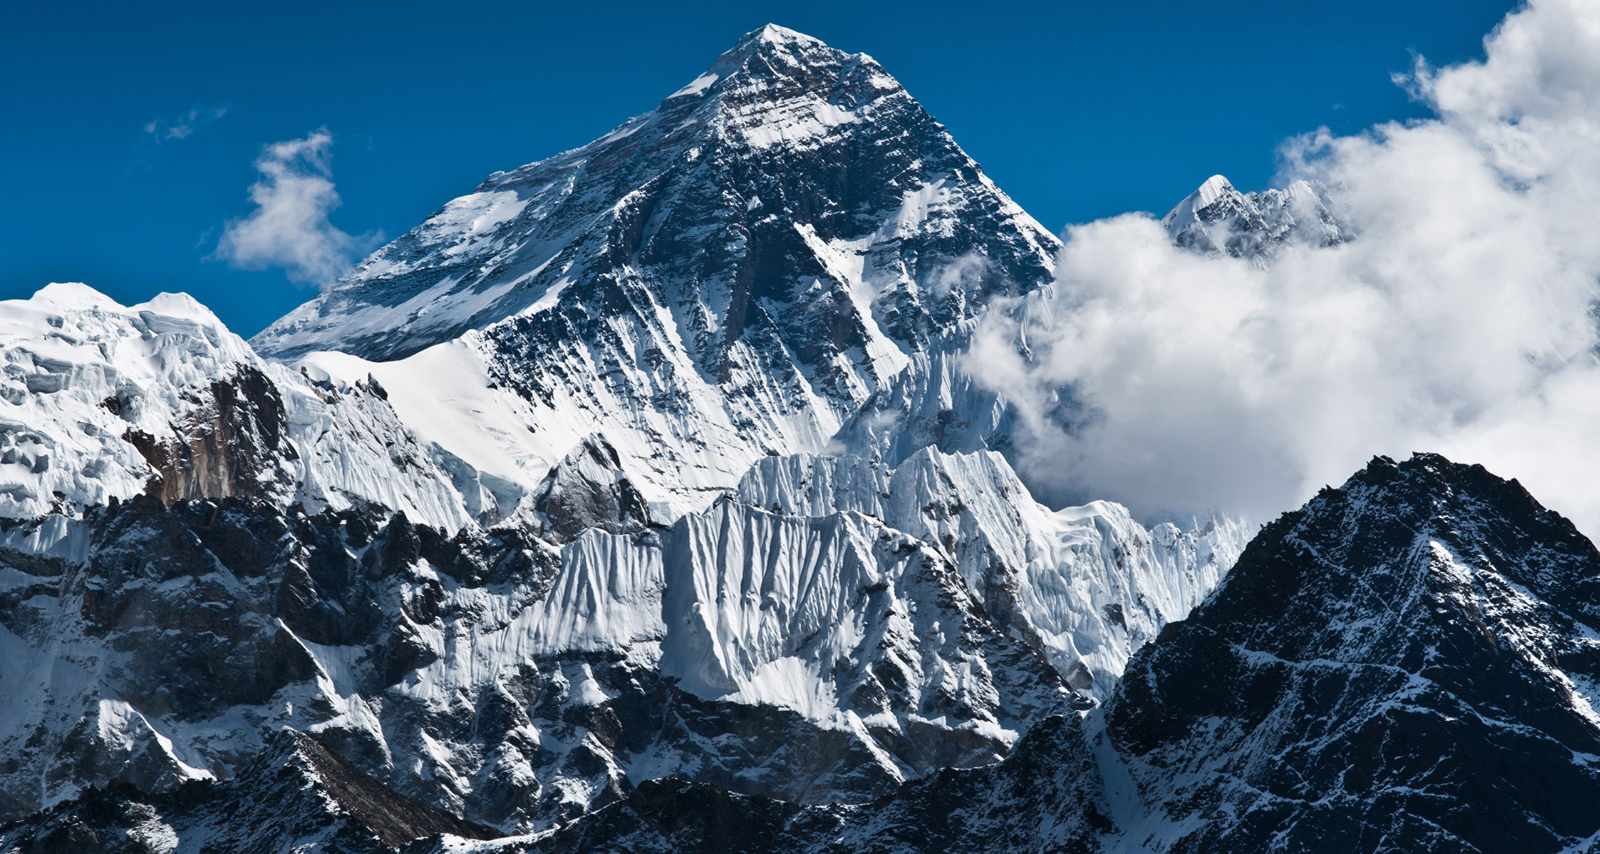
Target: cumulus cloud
[
  {"x": 162, "y": 130},
  {"x": 1460, "y": 319},
  {"x": 289, "y": 227}
]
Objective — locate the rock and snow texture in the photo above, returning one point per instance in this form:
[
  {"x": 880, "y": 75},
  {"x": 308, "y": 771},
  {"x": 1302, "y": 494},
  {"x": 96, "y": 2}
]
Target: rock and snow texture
[
  {"x": 1406, "y": 664},
  {"x": 832, "y": 629},
  {"x": 84, "y": 379},
  {"x": 297, "y": 795},
  {"x": 1410, "y": 663}
]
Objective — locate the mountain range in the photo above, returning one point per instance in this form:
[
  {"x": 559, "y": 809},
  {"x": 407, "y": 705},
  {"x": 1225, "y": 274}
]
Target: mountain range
[{"x": 641, "y": 499}]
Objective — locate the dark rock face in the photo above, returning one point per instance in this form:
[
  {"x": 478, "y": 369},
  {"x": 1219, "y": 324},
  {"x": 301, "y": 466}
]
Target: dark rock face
[
  {"x": 229, "y": 445},
  {"x": 1043, "y": 798},
  {"x": 296, "y": 795},
  {"x": 198, "y": 614},
  {"x": 588, "y": 489},
  {"x": 210, "y": 624},
  {"x": 1406, "y": 664}
]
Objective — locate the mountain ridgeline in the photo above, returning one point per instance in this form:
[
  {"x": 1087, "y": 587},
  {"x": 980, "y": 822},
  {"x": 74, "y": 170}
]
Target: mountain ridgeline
[{"x": 640, "y": 500}]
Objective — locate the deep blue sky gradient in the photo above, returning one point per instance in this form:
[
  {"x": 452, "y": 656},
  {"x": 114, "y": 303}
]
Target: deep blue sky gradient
[{"x": 1078, "y": 110}]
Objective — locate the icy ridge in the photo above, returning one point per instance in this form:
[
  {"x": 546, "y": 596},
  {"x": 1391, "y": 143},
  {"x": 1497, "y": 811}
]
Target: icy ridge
[{"x": 1086, "y": 586}]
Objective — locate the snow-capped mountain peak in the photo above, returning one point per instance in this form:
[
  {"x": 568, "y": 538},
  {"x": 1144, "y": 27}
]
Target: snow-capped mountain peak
[
  {"x": 1186, "y": 212},
  {"x": 656, "y": 456},
  {"x": 1218, "y": 218},
  {"x": 730, "y": 275},
  {"x": 709, "y": 150}
]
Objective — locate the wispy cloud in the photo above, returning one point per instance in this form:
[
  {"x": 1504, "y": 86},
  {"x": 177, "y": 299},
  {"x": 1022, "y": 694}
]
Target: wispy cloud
[
  {"x": 1461, "y": 318},
  {"x": 159, "y": 131},
  {"x": 290, "y": 227}
]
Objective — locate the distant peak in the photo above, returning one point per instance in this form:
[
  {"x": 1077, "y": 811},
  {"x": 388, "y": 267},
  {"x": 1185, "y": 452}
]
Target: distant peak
[{"x": 1187, "y": 211}]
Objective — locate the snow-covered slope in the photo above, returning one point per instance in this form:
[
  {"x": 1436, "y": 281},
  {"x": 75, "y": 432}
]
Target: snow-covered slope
[{"x": 83, "y": 376}]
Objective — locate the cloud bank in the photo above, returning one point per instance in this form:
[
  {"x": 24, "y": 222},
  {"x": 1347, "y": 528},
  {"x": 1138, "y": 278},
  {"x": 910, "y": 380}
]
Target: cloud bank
[
  {"x": 1461, "y": 318},
  {"x": 289, "y": 227}
]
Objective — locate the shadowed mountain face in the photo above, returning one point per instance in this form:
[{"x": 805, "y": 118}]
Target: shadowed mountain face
[{"x": 1409, "y": 663}]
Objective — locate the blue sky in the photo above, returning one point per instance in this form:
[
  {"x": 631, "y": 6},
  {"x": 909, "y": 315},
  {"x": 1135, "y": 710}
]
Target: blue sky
[{"x": 130, "y": 131}]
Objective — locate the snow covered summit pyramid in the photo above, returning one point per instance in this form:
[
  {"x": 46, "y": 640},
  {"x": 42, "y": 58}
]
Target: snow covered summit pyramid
[
  {"x": 728, "y": 276},
  {"x": 792, "y": 190}
]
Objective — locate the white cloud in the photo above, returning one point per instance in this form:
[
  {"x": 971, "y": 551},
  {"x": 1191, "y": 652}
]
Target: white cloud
[
  {"x": 1460, "y": 319},
  {"x": 289, "y": 227},
  {"x": 158, "y": 131},
  {"x": 964, "y": 273}
]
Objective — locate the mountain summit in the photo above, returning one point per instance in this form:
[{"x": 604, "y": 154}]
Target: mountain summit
[
  {"x": 791, "y": 187},
  {"x": 730, "y": 275}
]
